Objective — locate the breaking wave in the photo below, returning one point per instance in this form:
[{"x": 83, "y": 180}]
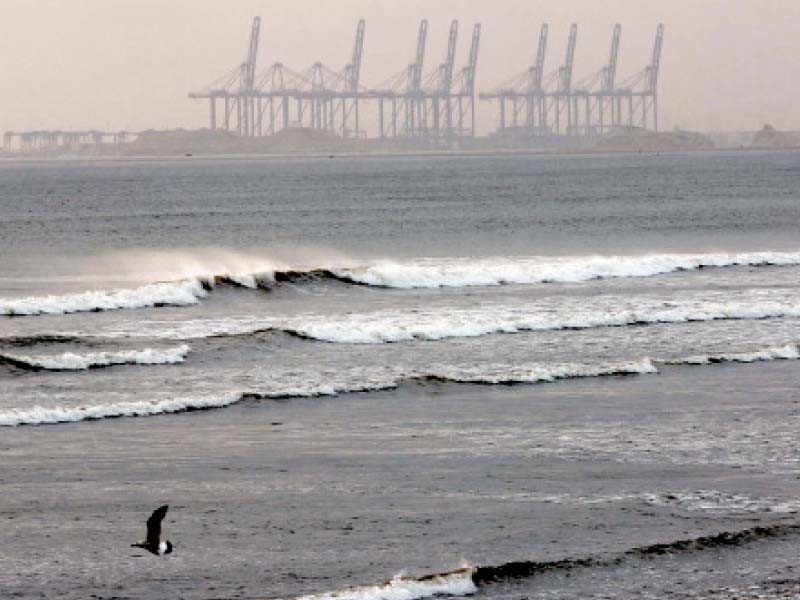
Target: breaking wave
[
  {"x": 182, "y": 293},
  {"x": 421, "y": 273},
  {"x": 40, "y": 415},
  {"x": 457, "y": 583},
  {"x": 505, "y": 375},
  {"x": 787, "y": 352},
  {"x": 69, "y": 361},
  {"x": 283, "y": 386},
  {"x": 468, "y": 580},
  {"x": 405, "y": 326},
  {"x": 462, "y": 272}
]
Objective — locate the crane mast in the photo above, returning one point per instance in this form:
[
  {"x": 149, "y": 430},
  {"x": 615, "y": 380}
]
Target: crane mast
[
  {"x": 472, "y": 65},
  {"x": 538, "y": 68},
  {"x": 611, "y": 69},
  {"x": 569, "y": 60},
  {"x": 446, "y": 79},
  {"x": 435, "y": 106},
  {"x": 419, "y": 59},
  {"x": 652, "y": 83},
  {"x": 248, "y": 113},
  {"x": 354, "y": 72},
  {"x": 354, "y": 68}
]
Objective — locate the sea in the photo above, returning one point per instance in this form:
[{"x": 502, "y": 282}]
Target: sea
[{"x": 400, "y": 377}]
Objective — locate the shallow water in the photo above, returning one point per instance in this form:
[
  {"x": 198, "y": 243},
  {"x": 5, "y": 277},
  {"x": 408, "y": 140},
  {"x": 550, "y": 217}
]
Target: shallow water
[{"x": 412, "y": 365}]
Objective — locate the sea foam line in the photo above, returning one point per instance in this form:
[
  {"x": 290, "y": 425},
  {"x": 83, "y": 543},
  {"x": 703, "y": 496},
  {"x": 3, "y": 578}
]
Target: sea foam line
[
  {"x": 40, "y": 415},
  {"x": 786, "y": 352},
  {"x": 398, "y": 326},
  {"x": 181, "y": 293},
  {"x": 69, "y": 361},
  {"x": 463, "y": 272},
  {"x": 509, "y": 374},
  {"x": 421, "y": 273},
  {"x": 491, "y": 374},
  {"x": 457, "y": 583}
]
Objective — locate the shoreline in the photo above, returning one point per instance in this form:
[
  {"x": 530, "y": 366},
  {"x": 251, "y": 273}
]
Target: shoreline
[{"x": 386, "y": 154}]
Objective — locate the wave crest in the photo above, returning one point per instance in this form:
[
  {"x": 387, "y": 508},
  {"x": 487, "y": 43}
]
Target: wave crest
[
  {"x": 182, "y": 293},
  {"x": 456, "y": 583},
  {"x": 468, "y": 580},
  {"x": 70, "y": 361},
  {"x": 421, "y": 273},
  {"x": 405, "y": 326},
  {"x": 463, "y": 272},
  {"x": 40, "y": 415},
  {"x": 787, "y": 352},
  {"x": 326, "y": 384}
]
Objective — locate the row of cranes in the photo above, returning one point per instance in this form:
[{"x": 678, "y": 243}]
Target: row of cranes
[
  {"x": 257, "y": 105},
  {"x": 537, "y": 105},
  {"x": 436, "y": 107},
  {"x": 413, "y": 104}
]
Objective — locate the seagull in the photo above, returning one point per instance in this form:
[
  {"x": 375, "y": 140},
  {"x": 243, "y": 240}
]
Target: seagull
[{"x": 153, "y": 542}]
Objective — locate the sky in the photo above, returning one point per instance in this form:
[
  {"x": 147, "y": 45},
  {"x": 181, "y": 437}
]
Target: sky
[{"x": 129, "y": 64}]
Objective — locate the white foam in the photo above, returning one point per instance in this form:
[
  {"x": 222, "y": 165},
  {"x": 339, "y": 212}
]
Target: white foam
[
  {"x": 273, "y": 384},
  {"x": 787, "y": 352},
  {"x": 69, "y": 361},
  {"x": 458, "y": 583},
  {"x": 540, "y": 373},
  {"x": 293, "y": 384},
  {"x": 181, "y": 293},
  {"x": 608, "y": 311},
  {"x": 460, "y": 272},
  {"x": 716, "y": 501},
  {"x": 41, "y": 415}
]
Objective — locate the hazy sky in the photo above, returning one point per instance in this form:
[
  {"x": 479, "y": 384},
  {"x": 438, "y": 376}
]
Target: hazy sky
[{"x": 128, "y": 64}]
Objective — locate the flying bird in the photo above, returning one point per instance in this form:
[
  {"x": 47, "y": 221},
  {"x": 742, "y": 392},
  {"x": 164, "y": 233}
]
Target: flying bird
[{"x": 153, "y": 542}]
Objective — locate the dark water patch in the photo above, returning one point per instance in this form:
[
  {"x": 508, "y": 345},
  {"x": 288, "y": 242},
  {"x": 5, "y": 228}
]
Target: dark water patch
[
  {"x": 468, "y": 580},
  {"x": 315, "y": 276},
  {"x": 18, "y": 363},
  {"x": 527, "y": 569},
  {"x": 32, "y": 340},
  {"x": 484, "y": 575},
  {"x": 716, "y": 541}
]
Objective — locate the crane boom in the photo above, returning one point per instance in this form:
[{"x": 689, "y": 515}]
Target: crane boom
[
  {"x": 446, "y": 80},
  {"x": 419, "y": 58},
  {"x": 611, "y": 69},
  {"x": 473, "y": 59},
  {"x": 656, "y": 61},
  {"x": 354, "y": 70},
  {"x": 538, "y": 69},
  {"x": 252, "y": 54},
  {"x": 569, "y": 61}
]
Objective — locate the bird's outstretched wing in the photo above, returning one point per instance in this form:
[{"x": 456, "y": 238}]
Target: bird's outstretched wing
[{"x": 154, "y": 525}]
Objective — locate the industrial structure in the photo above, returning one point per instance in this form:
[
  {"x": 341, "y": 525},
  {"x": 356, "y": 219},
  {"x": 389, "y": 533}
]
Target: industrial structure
[
  {"x": 263, "y": 104},
  {"x": 533, "y": 105},
  {"x": 437, "y": 107},
  {"x": 417, "y": 107},
  {"x": 28, "y": 141},
  {"x": 434, "y": 108}
]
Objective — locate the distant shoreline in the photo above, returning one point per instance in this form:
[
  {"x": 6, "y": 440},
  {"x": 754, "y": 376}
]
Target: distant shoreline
[{"x": 33, "y": 158}]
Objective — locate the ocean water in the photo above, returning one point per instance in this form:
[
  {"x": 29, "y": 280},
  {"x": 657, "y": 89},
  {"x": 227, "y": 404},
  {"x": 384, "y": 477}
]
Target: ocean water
[{"x": 394, "y": 378}]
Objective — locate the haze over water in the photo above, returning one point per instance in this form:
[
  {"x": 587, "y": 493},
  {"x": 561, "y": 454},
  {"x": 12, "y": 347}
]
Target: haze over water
[
  {"x": 726, "y": 66},
  {"x": 527, "y": 376}
]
